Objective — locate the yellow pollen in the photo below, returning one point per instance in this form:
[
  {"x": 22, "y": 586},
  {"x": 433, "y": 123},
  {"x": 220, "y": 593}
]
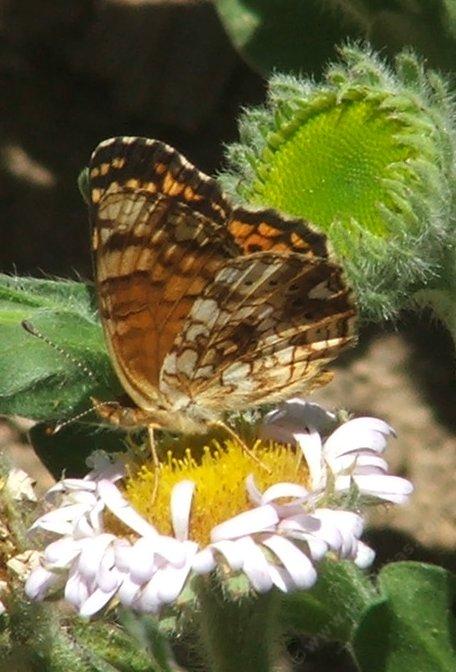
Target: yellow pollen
[{"x": 219, "y": 472}]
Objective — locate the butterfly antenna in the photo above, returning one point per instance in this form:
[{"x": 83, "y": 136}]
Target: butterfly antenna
[
  {"x": 78, "y": 416},
  {"x": 31, "y": 329}
]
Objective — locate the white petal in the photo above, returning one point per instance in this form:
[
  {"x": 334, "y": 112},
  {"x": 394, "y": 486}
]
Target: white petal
[
  {"x": 204, "y": 561},
  {"x": 122, "y": 554},
  {"x": 317, "y": 547},
  {"x": 310, "y": 444},
  {"x": 39, "y": 582},
  {"x": 365, "y": 556},
  {"x": 128, "y": 591},
  {"x": 279, "y": 490},
  {"x": 231, "y": 552},
  {"x": 256, "y": 520},
  {"x": 173, "y": 578},
  {"x": 71, "y": 484},
  {"x": 293, "y": 417},
  {"x": 142, "y": 563},
  {"x": 124, "y": 511},
  {"x": 253, "y": 491},
  {"x": 148, "y": 600},
  {"x": 329, "y": 533},
  {"x": 96, "y": 517},
  {"x": 255, "y": 565},
  {"x": 390, "y": 488},
  {"x": 95, "y": 602},
  {"x": 359, "y": 459},
  {"x": 281, "y": 579},
  {"x": 356, "y": 434},
  {"x": 92, "y": 552},
  {"x": 108, "y": 576},
  {"x": 62, "y": 552},
  {"x": 82, "y": 528},
  {"x": 171, "y": 549},
  {"x": 302, "y": 522},
  {"x": 181, "y": 504},
  {"x": 60, "y": 520},
  {"x": 76, "y": 590},
  {"x": 295, "y": 561}
]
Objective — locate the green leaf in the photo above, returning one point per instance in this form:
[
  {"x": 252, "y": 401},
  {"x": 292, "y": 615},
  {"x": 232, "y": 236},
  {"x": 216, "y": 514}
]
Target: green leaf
[
  {"x": 287, "y": 35},
  {"x": 54, "y": 371},
  {"x": 68, "y": 449},
  {"x": 112, "y": 644},
  {"x": 412, "y": 627},
  {"x": 333, "y": 607}
]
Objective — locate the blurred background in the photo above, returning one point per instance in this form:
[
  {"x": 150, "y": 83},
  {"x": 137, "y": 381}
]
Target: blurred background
[{"x": 74, "y": 73}]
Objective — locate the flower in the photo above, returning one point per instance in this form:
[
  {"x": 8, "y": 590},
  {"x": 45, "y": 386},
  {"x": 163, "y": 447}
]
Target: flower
[
  {"x": 114, "y": 543},
  {"x": 350, "y": 455}
]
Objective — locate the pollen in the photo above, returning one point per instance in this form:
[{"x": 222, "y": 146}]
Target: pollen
[{"x": 219, "y": 472}]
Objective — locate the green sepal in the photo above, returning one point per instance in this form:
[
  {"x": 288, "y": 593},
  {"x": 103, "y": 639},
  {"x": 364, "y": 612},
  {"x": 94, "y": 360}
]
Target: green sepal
[
  {"x": 412, "y": 625},
  {"x": 51, "y": 382}
]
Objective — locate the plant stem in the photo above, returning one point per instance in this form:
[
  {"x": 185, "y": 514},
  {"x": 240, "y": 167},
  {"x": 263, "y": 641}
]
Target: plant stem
[{"x": 239, "y": 634}]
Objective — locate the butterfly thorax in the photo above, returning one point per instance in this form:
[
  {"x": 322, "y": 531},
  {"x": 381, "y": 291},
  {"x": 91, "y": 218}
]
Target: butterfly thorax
[{"x": 186, "y": 419}]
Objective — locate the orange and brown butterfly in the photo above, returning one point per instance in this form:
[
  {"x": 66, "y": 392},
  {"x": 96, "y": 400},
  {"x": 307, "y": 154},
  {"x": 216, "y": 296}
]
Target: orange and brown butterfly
[{"x": 207, "y": 308}]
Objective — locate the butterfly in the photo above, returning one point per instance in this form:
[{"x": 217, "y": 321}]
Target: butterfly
[{"x": 206, "y": 307}]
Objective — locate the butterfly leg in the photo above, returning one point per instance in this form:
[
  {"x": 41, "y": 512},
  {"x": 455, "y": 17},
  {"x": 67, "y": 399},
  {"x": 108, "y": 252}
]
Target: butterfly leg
[
  {"x": 242, "y": 443},
  {"x": 155, "y": 460}
]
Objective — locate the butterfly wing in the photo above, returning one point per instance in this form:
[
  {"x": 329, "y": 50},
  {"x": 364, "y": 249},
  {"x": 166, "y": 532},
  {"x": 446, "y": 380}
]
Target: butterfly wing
[
  {"x": 231, "y": 307},
  {"x": 262, "y": 331},
  {"x": 159, "y": 238}
]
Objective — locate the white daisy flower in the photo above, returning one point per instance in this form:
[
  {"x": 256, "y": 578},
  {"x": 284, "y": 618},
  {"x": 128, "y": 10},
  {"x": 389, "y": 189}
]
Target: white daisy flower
[{"x": 273, "y": 521}]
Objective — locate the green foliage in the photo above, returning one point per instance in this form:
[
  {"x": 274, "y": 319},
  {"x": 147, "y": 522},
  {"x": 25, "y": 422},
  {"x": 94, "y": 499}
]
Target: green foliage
[
  {"x": 332, "y": 608},
  {"x": 283, "y": 35},
  {"x": 298, "y": 36},
  {"x": 38, "y": 380},
  {"x": 412, "y": 626}
]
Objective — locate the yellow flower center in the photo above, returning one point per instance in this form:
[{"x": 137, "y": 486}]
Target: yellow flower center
[{"x": 219, "y": 472}]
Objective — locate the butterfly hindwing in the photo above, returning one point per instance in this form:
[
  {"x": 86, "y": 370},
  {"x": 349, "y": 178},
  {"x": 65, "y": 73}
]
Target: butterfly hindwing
[{"x": 262, "y": 330}]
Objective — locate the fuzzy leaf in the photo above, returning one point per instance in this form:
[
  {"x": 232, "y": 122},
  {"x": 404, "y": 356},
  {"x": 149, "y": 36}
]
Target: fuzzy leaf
[
  {"x": 108, "y": 643},
  {"x": 412, "y": 627},
  {"x": 287, "y": 35},
  {"x": 330, "y": 610},
  {"x": 44, "y": 381}
]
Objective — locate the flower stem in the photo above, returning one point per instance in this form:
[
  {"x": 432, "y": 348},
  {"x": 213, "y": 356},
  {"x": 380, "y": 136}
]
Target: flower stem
[{"x": 238, "y": 632}]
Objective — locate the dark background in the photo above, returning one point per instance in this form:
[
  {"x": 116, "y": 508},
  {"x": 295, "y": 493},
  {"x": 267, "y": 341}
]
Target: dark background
[{"x": 75, "y": 73}]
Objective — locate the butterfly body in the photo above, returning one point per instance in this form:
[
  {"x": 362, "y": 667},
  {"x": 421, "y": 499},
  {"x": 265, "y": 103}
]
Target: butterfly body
[{"x": 206, "y": 307}]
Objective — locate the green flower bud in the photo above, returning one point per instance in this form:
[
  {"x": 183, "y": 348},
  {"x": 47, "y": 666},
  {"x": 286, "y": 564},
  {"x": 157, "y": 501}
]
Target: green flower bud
[{"x": 367, "y": 156}]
